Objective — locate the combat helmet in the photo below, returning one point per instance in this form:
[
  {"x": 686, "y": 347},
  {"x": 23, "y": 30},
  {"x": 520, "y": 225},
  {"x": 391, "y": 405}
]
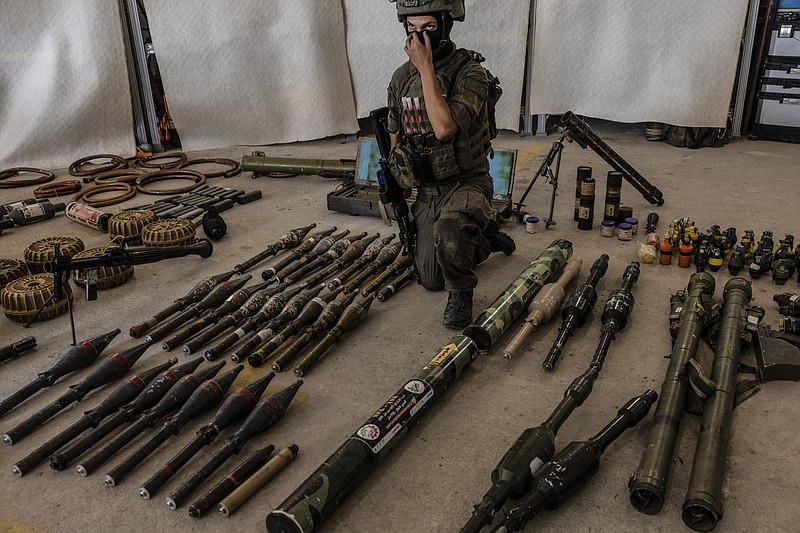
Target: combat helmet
[{"x": 454, "y": 8}]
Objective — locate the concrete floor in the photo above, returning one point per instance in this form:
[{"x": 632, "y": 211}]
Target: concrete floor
[{"x": 431, "y": 481}]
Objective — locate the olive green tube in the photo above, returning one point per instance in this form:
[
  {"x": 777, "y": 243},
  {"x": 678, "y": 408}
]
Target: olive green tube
[
  {"x": 242, "y": 493},
  {"x": 702, "y": 508},
  {"x": 319, "y": 496},
  {"x": 291, "y": 165},
  {"x": 647, "y": 485},
  {"x": 498, "y": 317}
]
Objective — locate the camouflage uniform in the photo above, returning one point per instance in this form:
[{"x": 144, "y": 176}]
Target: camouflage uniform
[{"x": 452, "y": 213}]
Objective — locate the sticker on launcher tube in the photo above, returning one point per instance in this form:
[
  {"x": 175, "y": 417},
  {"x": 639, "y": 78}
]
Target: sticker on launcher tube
[
  {"x": 444, "y": 356},
  {"x": 395, "y": 414}
]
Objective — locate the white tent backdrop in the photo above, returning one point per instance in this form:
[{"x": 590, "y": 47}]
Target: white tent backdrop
[
  {"x": 498, "y": 30},
  {"x": 670, "y": 61},
  {"x": 253, "y": 72},
  {"x": 64, "y": 89}
]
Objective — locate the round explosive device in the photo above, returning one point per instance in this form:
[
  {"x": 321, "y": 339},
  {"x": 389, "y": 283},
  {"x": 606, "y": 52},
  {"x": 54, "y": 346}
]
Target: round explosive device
[
  {"x": 23, "y": 297},
  {"x": 169, "y": 232},
  {"x": 130, "y": 223},
  {"x": 108, "y": 277},
  {"x": 11, "y": 269},
  {"x": 40, "y": 252}
]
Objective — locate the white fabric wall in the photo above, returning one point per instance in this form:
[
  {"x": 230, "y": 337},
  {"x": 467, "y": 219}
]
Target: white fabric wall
[
  {"x": 497, "y": 29},
  {"x": 64, "y": 89},
  {"x": 253, "y": 72},
  {"x": 260, "y": 72},
  {"x": 670, "y": 61}
]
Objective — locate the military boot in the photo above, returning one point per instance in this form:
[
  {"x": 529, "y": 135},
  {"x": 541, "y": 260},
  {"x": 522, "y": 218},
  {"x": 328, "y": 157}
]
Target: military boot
[
  {"x": 458, "y": 312},
  {"x": 499, "y": 241}
]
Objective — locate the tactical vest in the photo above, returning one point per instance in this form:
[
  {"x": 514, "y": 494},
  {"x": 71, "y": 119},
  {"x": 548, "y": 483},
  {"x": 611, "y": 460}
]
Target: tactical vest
[{"x": 421, "y": 158}]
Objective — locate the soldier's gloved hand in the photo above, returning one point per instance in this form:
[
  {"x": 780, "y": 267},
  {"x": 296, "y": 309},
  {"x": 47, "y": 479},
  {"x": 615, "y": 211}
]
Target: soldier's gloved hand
[{"x": 419, "y": 52}]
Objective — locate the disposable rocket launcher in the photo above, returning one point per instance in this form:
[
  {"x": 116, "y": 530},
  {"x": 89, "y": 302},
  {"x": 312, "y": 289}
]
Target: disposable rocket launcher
[
  {"x": 121, "y": 395},
  {"x": 317, "y": 498},
  {"x": 648, "y": 483},
  {"x": 109, "y": 369}
]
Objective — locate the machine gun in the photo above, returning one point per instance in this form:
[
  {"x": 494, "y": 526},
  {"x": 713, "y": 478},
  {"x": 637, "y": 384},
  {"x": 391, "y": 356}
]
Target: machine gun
[{"x": 115, "y": 255}]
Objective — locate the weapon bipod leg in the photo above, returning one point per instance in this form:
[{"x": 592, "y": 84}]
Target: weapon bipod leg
[{"x": 554, "y": 155}]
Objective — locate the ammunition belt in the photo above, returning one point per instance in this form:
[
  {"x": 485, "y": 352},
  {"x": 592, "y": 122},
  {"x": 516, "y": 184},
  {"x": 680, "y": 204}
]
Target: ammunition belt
[
  {"x": 57, "y": 188},
  {"x": 235, "y": 167},
  {"x": 12, "y": 172},
  {"x": 161, "y": 175},
  {"x": 88, "y": 195},
  {"x": 173, "y": 160},
  {"x": 77, "y": 167}
]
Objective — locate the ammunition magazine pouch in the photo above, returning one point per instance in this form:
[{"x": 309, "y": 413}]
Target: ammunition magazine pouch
[{"x": 423, "y": 160}]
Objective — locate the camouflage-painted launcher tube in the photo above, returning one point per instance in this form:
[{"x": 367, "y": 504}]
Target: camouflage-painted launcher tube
[
  {"x": 513, "y": 302},
  {"x": 319, "y": 496}
]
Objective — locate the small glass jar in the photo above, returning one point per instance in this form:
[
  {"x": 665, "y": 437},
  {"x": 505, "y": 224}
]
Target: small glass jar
[
  {"x": 608, "y": 228},
  {"x": 532, "y": 224},
  {"x": 624, "y": 232}
]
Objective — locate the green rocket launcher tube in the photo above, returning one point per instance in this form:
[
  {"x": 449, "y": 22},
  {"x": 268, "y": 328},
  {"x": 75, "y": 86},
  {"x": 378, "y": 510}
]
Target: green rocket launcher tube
[
  {"x": 514, "y": 301},
  {"x": 647, "y": 485},
  {"x": 319, "y": 496},
  {"x": 702, "y": 508}
]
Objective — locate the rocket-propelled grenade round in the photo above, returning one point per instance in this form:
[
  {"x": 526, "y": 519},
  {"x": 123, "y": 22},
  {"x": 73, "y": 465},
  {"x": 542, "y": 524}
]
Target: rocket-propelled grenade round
[
  {"x": 278, "y": 296},
  {"x": 318, "y": 497},
  {"x": 80, "y": 356},
  {"x": 17, "y": 348},
  {"x": 202, "y": 399},
  {"x": 149, "y": 397},
  {"x": 511, "y": 477},
  {"x": 544, "y": 306},
  {"x": 289, "y": 240},
  {"x": 395, "y": 284},
  {"x": 576, "y": 311},
  {"x": 648, "y": 484},
  {"x": 215, "y": 297},
  {"x": 109, "y": 369},
  {"x": 264, "y": 415},
  {"x": 573, "y": 466},
  {"x": 199, "y": 291},
  {"x": 235, "y": 407},
  {"x": 702, "y": 508},
  {"x": 618, "y": 308},
  {"x": 349, "y": 318},
  {"x": 175, "y": 398},
  {"x": 306, "y": 246},
  {"x": 310, "y": 313},
  {"x": 124, "y": 393},
  {"x": 326, "y": 320}
]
